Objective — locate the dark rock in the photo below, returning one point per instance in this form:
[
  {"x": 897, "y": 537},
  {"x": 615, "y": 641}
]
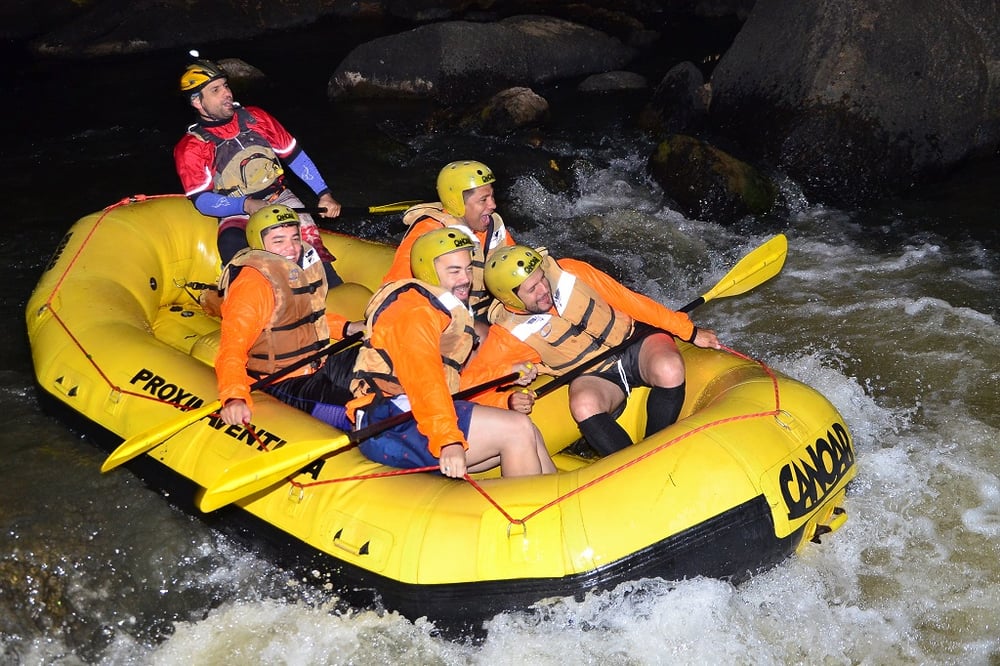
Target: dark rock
[
  {"x": 613, "y": 82},
  {"x": 240, "y": 70},
  {"x": 459, "y": 60},
  {"x": 709, "y": 184},
  {"x": 855, "y": 99},
  {"x": 109, "y": 27},
  {"x": 679, "y": 104},
  {"x": 511, "y": 109},
  {"x": 22, "y": 20},
  {"x": 427, "y": 11}
]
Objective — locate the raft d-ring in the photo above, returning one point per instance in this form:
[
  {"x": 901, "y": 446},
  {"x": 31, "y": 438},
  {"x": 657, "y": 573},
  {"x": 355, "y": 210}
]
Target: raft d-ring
[
  {"x": 784, "y": 413},
  {"x": 524, "y": 528},
  {"x": 291, "y": 493}
]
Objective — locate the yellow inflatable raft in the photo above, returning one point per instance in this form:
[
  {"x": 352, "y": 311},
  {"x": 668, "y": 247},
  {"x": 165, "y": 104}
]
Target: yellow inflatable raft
[{"x": 755, "y": 468}]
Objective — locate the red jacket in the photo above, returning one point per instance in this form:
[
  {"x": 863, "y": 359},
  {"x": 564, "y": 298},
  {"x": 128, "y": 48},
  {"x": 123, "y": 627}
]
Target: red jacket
[{"x": 194, "y": 158}]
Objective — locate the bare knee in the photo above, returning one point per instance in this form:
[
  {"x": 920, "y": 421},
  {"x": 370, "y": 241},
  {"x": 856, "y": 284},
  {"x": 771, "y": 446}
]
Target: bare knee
[
  {"x": 593, "y": 395},
  {"x": 523, "y": 432},
  {"x": 584, "y": 406},
  {"x": 665, "y": 370}
]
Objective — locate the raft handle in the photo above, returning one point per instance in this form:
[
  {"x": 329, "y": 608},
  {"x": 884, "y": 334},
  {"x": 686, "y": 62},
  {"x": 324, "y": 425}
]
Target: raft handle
[
  {"x": 343, "y": 545},
  {"x": 837, "y": 520}
]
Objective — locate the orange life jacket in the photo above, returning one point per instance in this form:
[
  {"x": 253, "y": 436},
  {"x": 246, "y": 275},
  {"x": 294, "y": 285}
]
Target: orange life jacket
[
  {"x": 298, "y": 325},
  {"x": 373, "y": 372},
  {"x": 496, "y": 236}
]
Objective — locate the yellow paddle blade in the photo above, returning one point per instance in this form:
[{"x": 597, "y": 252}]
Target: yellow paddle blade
[
  {"x": 395, "y": 207},
  {"x": 752, "y": 270},
  {"x": 248, "y": 476},
  {"x": 139, "y": 444}
]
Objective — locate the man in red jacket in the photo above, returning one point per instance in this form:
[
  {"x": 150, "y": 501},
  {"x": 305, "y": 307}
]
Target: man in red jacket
[
  {"x": 231, "y": 163},
  {"x": 562, "y": 314}
]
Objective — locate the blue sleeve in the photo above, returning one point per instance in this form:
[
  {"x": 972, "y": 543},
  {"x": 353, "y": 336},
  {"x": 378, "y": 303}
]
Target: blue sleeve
[
  {"x": 304, "y": 168},
  {"x": 217, "y": 205}
]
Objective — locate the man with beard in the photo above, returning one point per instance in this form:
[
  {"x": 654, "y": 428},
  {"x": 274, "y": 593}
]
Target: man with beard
[
  {"x": 465, "y": 190},
  {"x": 562, "y": 314},
  {"x": 231, "y": 163},
  {"x": 420, "y": 338}
]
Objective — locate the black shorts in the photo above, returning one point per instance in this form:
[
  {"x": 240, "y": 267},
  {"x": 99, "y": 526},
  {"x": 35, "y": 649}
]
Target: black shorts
[
  {"x": 624, "y": 371},
  {"x": 330, "y": 385}
]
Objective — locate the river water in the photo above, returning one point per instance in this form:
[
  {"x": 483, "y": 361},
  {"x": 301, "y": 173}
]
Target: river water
[{"x": 891, "y": 312}]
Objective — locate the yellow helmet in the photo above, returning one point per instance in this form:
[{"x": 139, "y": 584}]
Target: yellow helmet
[
  {"x": 268, "y": 217},
  {"x": 434, "y": 244},
  {"x": 198, "y": 75},
  {"x": 457, "y": 177},
  {"x": 506, "y": 269}
]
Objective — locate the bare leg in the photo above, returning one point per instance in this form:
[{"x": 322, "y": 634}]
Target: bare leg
[
  {"x": 660, "y": 362},
  {"x": 500, "y": 435},
  {"x": 589, "y": 395}
]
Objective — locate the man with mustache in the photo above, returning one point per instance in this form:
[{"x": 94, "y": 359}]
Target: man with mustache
[
  {"x": 562, "y": 314},
  {"x": 231, "y": 163},
  {"x": 420, "y": 338}
]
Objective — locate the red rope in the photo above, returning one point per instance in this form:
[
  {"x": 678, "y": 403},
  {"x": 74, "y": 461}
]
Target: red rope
[
  {"x": 135, "y": 198},
  {"x": 55, "y": 315}
]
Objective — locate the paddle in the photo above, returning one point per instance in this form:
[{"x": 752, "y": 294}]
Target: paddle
[
  {"x": 248, "y": 476},
  {"x": 751, "y": 271},
  {"x": 754, "y": 269},
  {"x": 383, "y": 209},
  {"x": 139, "y": 444}
]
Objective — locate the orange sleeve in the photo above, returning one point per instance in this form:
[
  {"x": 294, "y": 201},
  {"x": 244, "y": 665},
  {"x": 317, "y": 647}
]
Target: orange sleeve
[
  {"x": 336, "y": 322},
  {"x": 400, "y": 269},
  {"x": 410, "y": 330},
  {"x": 495, "y": 358},
  {"x": 639, "y": 307},
  {"x": 247, "y": 309}
]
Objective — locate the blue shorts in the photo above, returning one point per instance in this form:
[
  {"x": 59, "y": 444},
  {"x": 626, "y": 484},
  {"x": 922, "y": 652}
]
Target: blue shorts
[{"x": 403, "y": 446}]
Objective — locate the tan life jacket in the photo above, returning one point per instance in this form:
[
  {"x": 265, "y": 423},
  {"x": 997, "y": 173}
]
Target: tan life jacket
[
  {"x": 373, "y": 371},
  {"x": 496, "y": 236},
  {"x": 298, "y": 325},
  {"x": 583, "y": 326}
]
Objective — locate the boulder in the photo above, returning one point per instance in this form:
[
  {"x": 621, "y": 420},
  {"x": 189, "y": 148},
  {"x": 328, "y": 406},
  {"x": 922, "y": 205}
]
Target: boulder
[
  {"x": 679, "y": 104},
  {"x": 458, "y": 60},
  {"x": 511, "y": 109},
  {"x": 112, "y": 27},
  {"x": 856, "y": 99},
  {"x": 707, "y": 183},
  {"x": 609, "y": 82}
]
